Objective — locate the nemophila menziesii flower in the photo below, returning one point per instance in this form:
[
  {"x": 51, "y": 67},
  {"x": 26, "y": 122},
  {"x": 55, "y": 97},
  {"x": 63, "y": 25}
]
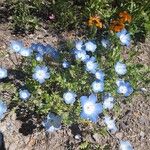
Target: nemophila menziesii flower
[
  {"x": 120, "y": 68},
  {"x": 105, "y": 43},
  {"x": 39, "y": 57},
  {"x": 3, "y": 109},
  {"x": 81, "y": 55},
  {"x": 3, "y": 73},
  {"x": 90, "y": 109},
  {"x": 79, "y": 45},
  {"x": 52, "y": 122},
  {"x": 100, "y": 75},
  {"x": 66, "y": 64},
  {"x": 124, "y": 88},
  {"x": 26, "y": 51},
  {"x": 16, "y": 46},
  {"x": 124, "y": 37},
  {"x": 40, "y": 48},
  {"x": 24, "y": 94},
  {"x": 41, "y": 74},
  {"x": 90, "y": 46},
  {"x": 125, "y": 145},
  {"x": 91, "y": 65},
  {"x": 98, "y": 86},
  {"x": 110, "y": 124},
  {"x": 108, "y": 101},
  {"x": 52, "y": 52},
  {"x": 69, "y": 97}
]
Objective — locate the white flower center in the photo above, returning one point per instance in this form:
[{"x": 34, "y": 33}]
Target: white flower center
[
  {"x": 123, "y": 38},
  {"x": 123, "y": 89},
  {"x": 90, "y": 65},
  {"x": 69, "y": 96},
  {"x": 89, "y": 108},
  {"x": 24, "y": 95},
  {"x": 16, "y": 47},
  {"x": 2, "y": 73},
  {"x": 97, "y": 86},
  {"x": 40, "y": 74}
]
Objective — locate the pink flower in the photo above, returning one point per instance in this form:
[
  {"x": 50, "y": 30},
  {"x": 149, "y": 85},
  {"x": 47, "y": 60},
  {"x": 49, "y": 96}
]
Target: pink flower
[{"x": 52, "y": 17}]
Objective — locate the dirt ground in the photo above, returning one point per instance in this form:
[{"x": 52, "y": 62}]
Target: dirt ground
[{"x": 21, "y": 130}]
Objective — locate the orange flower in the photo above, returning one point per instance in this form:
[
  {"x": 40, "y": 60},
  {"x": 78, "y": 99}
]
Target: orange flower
[
  {"x": 125, "y": 17},
  {"x": 95, "y": 21},
  {"x": 116, "y": 25}
]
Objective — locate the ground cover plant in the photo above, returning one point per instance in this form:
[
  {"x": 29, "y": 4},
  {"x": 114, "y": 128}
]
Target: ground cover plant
[{"x": 85, "y": 81}]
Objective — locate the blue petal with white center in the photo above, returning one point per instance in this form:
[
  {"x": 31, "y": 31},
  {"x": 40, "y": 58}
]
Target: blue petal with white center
[
  {"x": 26, "y": 52},
  {"x": 41, "y": 74},
  {"x": 16, "y": 46},
  {"x": 24, "y": 95},
  {"x": 91, "y": 65},
  {"x": 81, "y": 55},
  {"x": 124, "y": 88},
  {"x": 98, "y": 86},
  {"x": 125, "y": 145},
  {"x": 100, "y": 75},
  {"x": 3, "y": 109},
  {"x": 40, "y": 49},
  {"x": 52, "y": 122},
  {"x": 69, "y": 97},
  {"x": 66, "y": 64},
  {"x": 90, "y": 109},
  {"x": 105, "y": 43},
  {"x": 79, "y": 45},
  {"x": 110, "y": 124},
  {"x": 3, "y": 73},
  {"x": 90, "y": 46},
  {"x": 124, "y": 37},
  {"x": 39, "y": 57},
  {"x": 108, "y": 101},
  {"x": 120, "y": 68}
]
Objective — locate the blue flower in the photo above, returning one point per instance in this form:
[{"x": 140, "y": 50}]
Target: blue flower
[
  {"x": 66, "y": 64},
  {"x": 39, "y": 57},
  {"x": 40, "y": 48},
  {"x": 91, "y": 65},
  {"x": 3, "y": 73},
  {"x": 3, "y": 109},
  {"x": 90, "y": 109},
  {"x": 98, "y": 86},
  {"x": 110, "y": 124},
  {"x": 26, "y": 51},
  {"x": 90, "y": 46},
  {"x": 52, "y": 52},
  {"x": 16, "y": 46},
  {"x": 124, "y": 37},
  {"x": 125, "y": 145},
  {"x": 108, "y": 101},
  {"x": 124, "y": 88},
  {"x": 24, "y": 94},
  {"x": 105, "y": 43},
  {"x": 41, "y": 73},
  {"x": 79, "y": 45},
  {"x": 69, "y": 97},
  {"x": 120, "y": 68},
  {"x": 81, "y": 55},
  {"x": 100, "y": 75},
  {"x": 52, "y": 122}
]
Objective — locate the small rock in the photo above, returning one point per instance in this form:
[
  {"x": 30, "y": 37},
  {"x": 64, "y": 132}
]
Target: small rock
[
  {"x": 32, "y": 142},
  {"x": 119, "y": 135},
  {"x": 97, "y": 138},
  {"x": 77, "y": 137},
  {"x": 142, "y": 134}
]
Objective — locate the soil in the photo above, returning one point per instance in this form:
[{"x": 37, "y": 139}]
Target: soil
[{"x": 22, "y": 130}]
